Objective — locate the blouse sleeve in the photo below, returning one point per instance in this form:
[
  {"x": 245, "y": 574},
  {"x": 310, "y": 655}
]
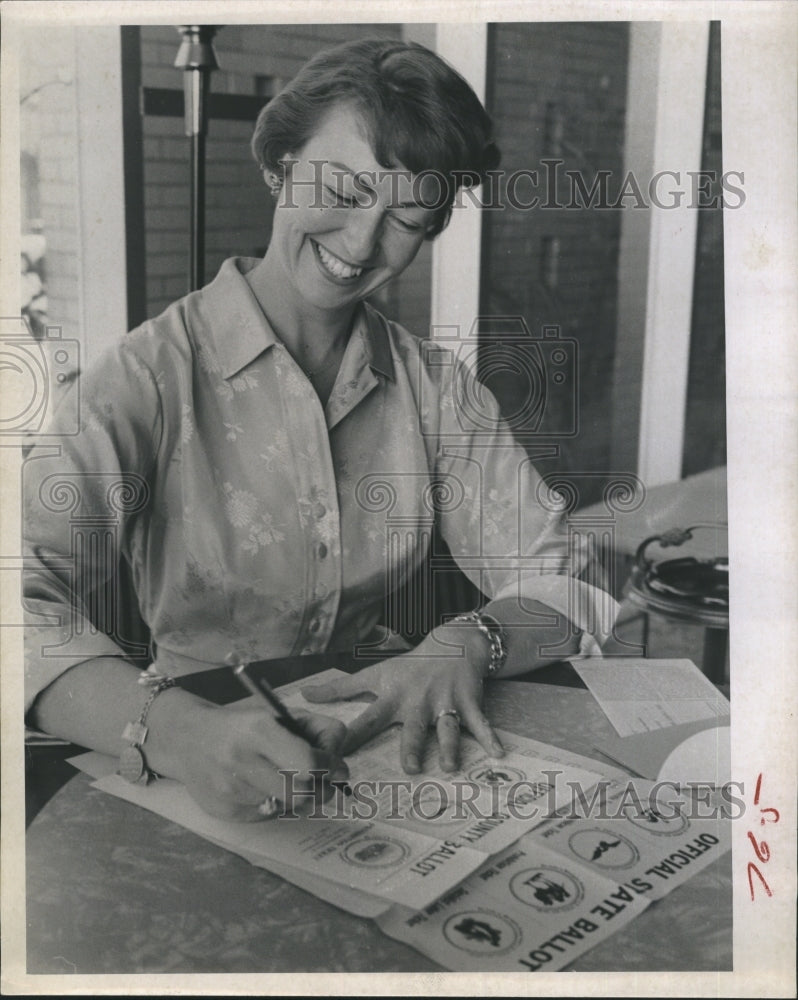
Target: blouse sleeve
[
  {"x": 79, "y": 495},
  {"x": 505, "y": 528}
]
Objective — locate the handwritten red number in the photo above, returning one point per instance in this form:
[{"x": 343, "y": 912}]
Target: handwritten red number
[
  {"x": 753, "y": 870},
  {"x": 761, "y": 849}
]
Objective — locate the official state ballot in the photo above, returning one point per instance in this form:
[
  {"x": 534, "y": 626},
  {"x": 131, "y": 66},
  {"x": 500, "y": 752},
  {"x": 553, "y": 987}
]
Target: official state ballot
[
  {"x": 528, "y": 909},
  {"x": 568, "y": 884}
]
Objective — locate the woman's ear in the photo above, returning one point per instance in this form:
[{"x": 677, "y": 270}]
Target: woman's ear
[{"x": 274, "y": 181}]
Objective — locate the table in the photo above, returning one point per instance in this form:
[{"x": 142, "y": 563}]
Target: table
[{"x": 116, "y": 889}]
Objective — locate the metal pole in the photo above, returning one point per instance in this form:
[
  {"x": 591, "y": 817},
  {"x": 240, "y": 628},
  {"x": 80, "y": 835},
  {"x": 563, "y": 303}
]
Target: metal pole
[{"x": 197, "y": 60}]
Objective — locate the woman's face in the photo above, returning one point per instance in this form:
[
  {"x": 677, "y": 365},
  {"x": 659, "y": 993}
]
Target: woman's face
[{"x": 344, "y": 225}]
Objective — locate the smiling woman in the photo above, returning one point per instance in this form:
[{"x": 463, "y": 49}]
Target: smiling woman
[
  {"x": 343, "y": 227},
  {"x": 365, "y": 151},
  {"x": 268, "y": 457}
]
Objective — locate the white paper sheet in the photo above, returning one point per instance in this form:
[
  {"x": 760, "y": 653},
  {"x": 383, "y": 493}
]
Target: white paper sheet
[
  {"x": 526, "y": 910},
  {"x": 646, "y": 841},
  {"x": 407, "y": 840},
  {"x": 639, "y": 695},
  {"x": 361, "y": 904},
  {"x": 569, "y": 883}
]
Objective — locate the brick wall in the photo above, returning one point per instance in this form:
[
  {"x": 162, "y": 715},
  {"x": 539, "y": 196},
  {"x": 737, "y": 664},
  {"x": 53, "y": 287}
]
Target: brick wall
[
  {"x": 48, "y": 135},
  {"x": 559, "y": 90}
]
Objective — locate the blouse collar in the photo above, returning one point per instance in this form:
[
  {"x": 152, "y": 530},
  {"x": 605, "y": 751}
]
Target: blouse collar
[{"x": 241, "y": 331}]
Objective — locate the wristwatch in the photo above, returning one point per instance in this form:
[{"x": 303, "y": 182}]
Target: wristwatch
[{"x": 132, "y": 762}]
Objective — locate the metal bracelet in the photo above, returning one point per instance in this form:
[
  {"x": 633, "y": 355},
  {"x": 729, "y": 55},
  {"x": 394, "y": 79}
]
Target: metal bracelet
[
  {"x": 132, "y": 762},
  {"x": 493, "y": 632}
]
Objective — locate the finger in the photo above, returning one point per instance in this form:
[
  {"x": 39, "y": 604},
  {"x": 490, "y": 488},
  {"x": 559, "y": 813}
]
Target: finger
[
  {"x": 368, "y": 724},
  {"x": 321, "y": 731},
  {"x": 340, "y": 688},
  {"x": 328, "y": 736},
  {"x": 475, "y": 721},
  {"x": 299, "y": 793},
  {"x": 414, "y": 738},
  {"x": 270, "y": 808},
  {"x": 241, "y": 812},
  {"x": 250, "y": 794},
  {"x": 316, "y": 763},
  {"x": 448, "y": 730}
]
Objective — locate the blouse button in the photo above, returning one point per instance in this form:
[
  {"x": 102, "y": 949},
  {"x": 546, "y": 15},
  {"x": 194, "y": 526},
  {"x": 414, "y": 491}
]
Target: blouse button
[
  {"x": 322, "y": 550},
  {"x": 319, "y": 510},
  {"x": 315, "y": 625}
]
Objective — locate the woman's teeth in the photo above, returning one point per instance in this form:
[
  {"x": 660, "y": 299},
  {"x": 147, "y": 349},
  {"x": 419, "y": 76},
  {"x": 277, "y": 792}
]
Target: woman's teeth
[{"x": 336, "y": 266}]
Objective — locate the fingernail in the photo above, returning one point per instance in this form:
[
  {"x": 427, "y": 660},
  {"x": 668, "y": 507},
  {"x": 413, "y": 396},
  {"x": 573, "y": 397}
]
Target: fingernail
[
  {"x": 412, "y": 762},
  {"x": 498, "y": 749}
]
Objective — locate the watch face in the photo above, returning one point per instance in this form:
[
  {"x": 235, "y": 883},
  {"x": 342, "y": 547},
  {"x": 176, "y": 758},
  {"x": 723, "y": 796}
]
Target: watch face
[{"x": 131, "y": 764}]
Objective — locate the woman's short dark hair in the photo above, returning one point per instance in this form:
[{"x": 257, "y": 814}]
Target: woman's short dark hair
[{"x": 417, "y": 110}]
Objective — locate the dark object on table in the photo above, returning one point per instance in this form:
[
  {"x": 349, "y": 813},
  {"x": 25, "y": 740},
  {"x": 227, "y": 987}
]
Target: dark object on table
[{"x": 686, "y": 589}]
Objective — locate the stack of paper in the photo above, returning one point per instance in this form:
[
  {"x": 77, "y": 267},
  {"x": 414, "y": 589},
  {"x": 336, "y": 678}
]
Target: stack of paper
[
  {"x": 639, "y": 696},
  {"x": 503, "y": 865},
  {"x": 397, "y": 839}
]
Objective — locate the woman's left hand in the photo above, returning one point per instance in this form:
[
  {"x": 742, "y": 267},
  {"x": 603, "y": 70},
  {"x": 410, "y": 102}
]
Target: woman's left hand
[{"x": 419, "y": 689}]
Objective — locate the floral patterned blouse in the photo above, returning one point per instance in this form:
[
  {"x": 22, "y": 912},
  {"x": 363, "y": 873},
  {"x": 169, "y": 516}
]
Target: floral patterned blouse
[{"x": 255, "y": 521}]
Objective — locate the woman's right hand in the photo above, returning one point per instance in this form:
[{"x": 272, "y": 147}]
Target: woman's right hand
[
  {"x": 229, "y": 757},
  {"x": 234, "y": 758}
]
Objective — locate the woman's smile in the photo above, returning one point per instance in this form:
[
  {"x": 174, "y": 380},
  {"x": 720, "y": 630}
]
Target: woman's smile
[
  {"x": 334, "y": 266},
  {"x": 342, "y": 217}
]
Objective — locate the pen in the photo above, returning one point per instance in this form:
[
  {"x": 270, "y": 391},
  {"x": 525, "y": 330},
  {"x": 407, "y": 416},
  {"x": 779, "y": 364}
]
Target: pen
[{"x": 260, "y": 688}]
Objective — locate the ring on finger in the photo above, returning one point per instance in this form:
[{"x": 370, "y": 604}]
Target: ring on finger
[
  {"x": 269, "y": 808},
  {"x": 448, "y": 711}
]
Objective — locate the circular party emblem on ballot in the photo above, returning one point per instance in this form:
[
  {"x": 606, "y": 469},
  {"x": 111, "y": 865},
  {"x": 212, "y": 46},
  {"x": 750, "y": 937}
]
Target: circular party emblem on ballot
[
  {"x": 376, "y": 852},
  {"x": 547, "y": 889},
  {"x": 604, "y": 848},
  {"x": 495, "y": 774},
  {"x": 663, "y": 825},
  {"x": 482, "y": 932}
]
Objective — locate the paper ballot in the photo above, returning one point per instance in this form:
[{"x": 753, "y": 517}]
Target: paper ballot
[
  {"x": 639, "y": 695},
  {"x": 399, "y": 838},
  {"x": 518, "y": 863},
  {"x": 644, "y": 836},
  {"x": 567, "y": 884},
  {"x": 525, "y": 910}
]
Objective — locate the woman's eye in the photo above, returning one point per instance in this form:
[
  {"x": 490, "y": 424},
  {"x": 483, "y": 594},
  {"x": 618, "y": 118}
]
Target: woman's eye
[
  {"x": 339, "y": 198},
  {"x": 407, "y": 225}
]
